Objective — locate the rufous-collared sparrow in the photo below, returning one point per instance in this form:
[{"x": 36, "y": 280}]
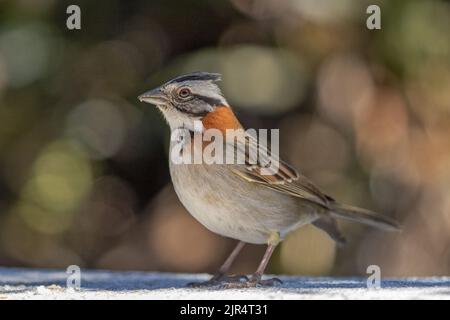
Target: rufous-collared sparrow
[{"x": 238, "y": 200}]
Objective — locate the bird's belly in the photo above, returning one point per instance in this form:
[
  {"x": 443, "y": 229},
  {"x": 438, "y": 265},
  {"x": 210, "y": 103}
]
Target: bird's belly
[
  {"x": 217, "y": 218},
  {"x": 235, "y": 208}
]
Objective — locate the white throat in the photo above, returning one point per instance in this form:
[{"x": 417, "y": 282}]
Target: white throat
[{"x": 177, "y": 120}]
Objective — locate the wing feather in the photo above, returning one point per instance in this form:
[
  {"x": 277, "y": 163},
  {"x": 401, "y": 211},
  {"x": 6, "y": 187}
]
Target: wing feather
[{"x": 285, "y": 179}]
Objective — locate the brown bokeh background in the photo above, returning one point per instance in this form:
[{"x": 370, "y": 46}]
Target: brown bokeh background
[{"x": 365, "y": 114}]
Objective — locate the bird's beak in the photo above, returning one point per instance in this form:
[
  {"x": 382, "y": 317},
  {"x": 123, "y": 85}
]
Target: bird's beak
[{"x": 155, "y": 96}]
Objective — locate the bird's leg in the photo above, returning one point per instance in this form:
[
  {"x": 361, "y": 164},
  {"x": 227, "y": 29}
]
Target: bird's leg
[
  {"x": 228, "y": 263},
  {"x": 256, "y": 278},
  {"x": 221, "y": 275}
]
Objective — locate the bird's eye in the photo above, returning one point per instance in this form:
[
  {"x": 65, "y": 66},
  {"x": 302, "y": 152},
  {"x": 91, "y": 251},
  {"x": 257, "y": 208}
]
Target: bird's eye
[{"x": 184, "y": 93}]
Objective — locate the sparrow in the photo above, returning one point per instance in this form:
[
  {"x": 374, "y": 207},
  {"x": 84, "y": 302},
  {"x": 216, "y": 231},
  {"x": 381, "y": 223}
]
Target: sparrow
[{"x": 239, "y": 200}]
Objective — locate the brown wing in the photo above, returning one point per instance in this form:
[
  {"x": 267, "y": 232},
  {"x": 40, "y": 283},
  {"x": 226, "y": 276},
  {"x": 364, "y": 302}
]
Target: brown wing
[{"x": 285, "y": 179}]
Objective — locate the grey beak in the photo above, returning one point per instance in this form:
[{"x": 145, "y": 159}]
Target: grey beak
[{"x": 155, "y": 96}]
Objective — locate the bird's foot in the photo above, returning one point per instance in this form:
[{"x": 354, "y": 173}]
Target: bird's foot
[
  {"x": 220, "y": 280},
  {"x": 253, "y": 283}
]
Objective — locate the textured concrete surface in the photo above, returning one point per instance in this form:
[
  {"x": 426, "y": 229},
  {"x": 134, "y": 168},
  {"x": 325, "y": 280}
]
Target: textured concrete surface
[{"x": 51, "y": 284}]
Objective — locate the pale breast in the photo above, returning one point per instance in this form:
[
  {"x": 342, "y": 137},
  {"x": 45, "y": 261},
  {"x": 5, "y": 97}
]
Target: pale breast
[{"x": 232, "y": 207}]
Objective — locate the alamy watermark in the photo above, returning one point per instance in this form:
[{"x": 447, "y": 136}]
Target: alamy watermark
[
  {"x": 374, "y": 20},
  {"x": 74, "y": 277},
  {"x": 73, "y": 21},
  {"x": 374, "y": 278}
]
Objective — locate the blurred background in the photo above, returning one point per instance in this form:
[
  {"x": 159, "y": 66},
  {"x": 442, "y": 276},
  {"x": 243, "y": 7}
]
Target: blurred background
[{"x": 364, "y": 113}]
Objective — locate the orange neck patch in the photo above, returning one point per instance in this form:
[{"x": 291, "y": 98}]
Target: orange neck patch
[{"x": 222, "y": 118}]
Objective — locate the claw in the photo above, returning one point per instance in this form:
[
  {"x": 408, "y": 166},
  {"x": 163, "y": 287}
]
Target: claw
[
  {"x": 253, "y": 283},
  {"x": 236, "y": 278},
  {"x": 219, "y": 280},
  {"x": 270, "y": 282}
]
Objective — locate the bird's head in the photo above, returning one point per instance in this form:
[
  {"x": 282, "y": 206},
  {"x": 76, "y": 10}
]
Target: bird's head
[{"x": 191, "y": 97}]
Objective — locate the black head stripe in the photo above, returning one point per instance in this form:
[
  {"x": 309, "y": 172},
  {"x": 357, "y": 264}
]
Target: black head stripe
[
  {"x": 195, "y": 107},
  {"x": 209, "y": 100},
  {"x": 205, "y": 76},
  {"x": 195, "y": 113}
]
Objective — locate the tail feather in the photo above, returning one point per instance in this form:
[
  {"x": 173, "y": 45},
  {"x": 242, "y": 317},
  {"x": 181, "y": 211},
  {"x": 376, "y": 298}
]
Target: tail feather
[
  {"x": 364, "y": 216},
  {"x": 329, "y": 225}
]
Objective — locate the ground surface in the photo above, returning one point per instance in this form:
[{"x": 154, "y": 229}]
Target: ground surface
[{"x": 51, "y": 284}]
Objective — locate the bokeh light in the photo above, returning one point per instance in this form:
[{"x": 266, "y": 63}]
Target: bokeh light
[
  {"x": 26, "y": 50},
  {"x": 363, "y": 113},
  {"x": 61, "y": 177},
  {"x": 98, "y": 126}
]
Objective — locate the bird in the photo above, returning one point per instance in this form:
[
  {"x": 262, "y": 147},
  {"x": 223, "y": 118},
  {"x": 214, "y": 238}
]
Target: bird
[{"x": 238, "y": 200}]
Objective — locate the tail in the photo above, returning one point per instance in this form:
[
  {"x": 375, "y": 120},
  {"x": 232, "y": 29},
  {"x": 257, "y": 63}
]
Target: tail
[{"x": 370, "y": 218}]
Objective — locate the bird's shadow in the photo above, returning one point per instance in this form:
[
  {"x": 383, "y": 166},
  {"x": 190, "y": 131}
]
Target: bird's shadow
[{"x": 17, "y": 280}]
